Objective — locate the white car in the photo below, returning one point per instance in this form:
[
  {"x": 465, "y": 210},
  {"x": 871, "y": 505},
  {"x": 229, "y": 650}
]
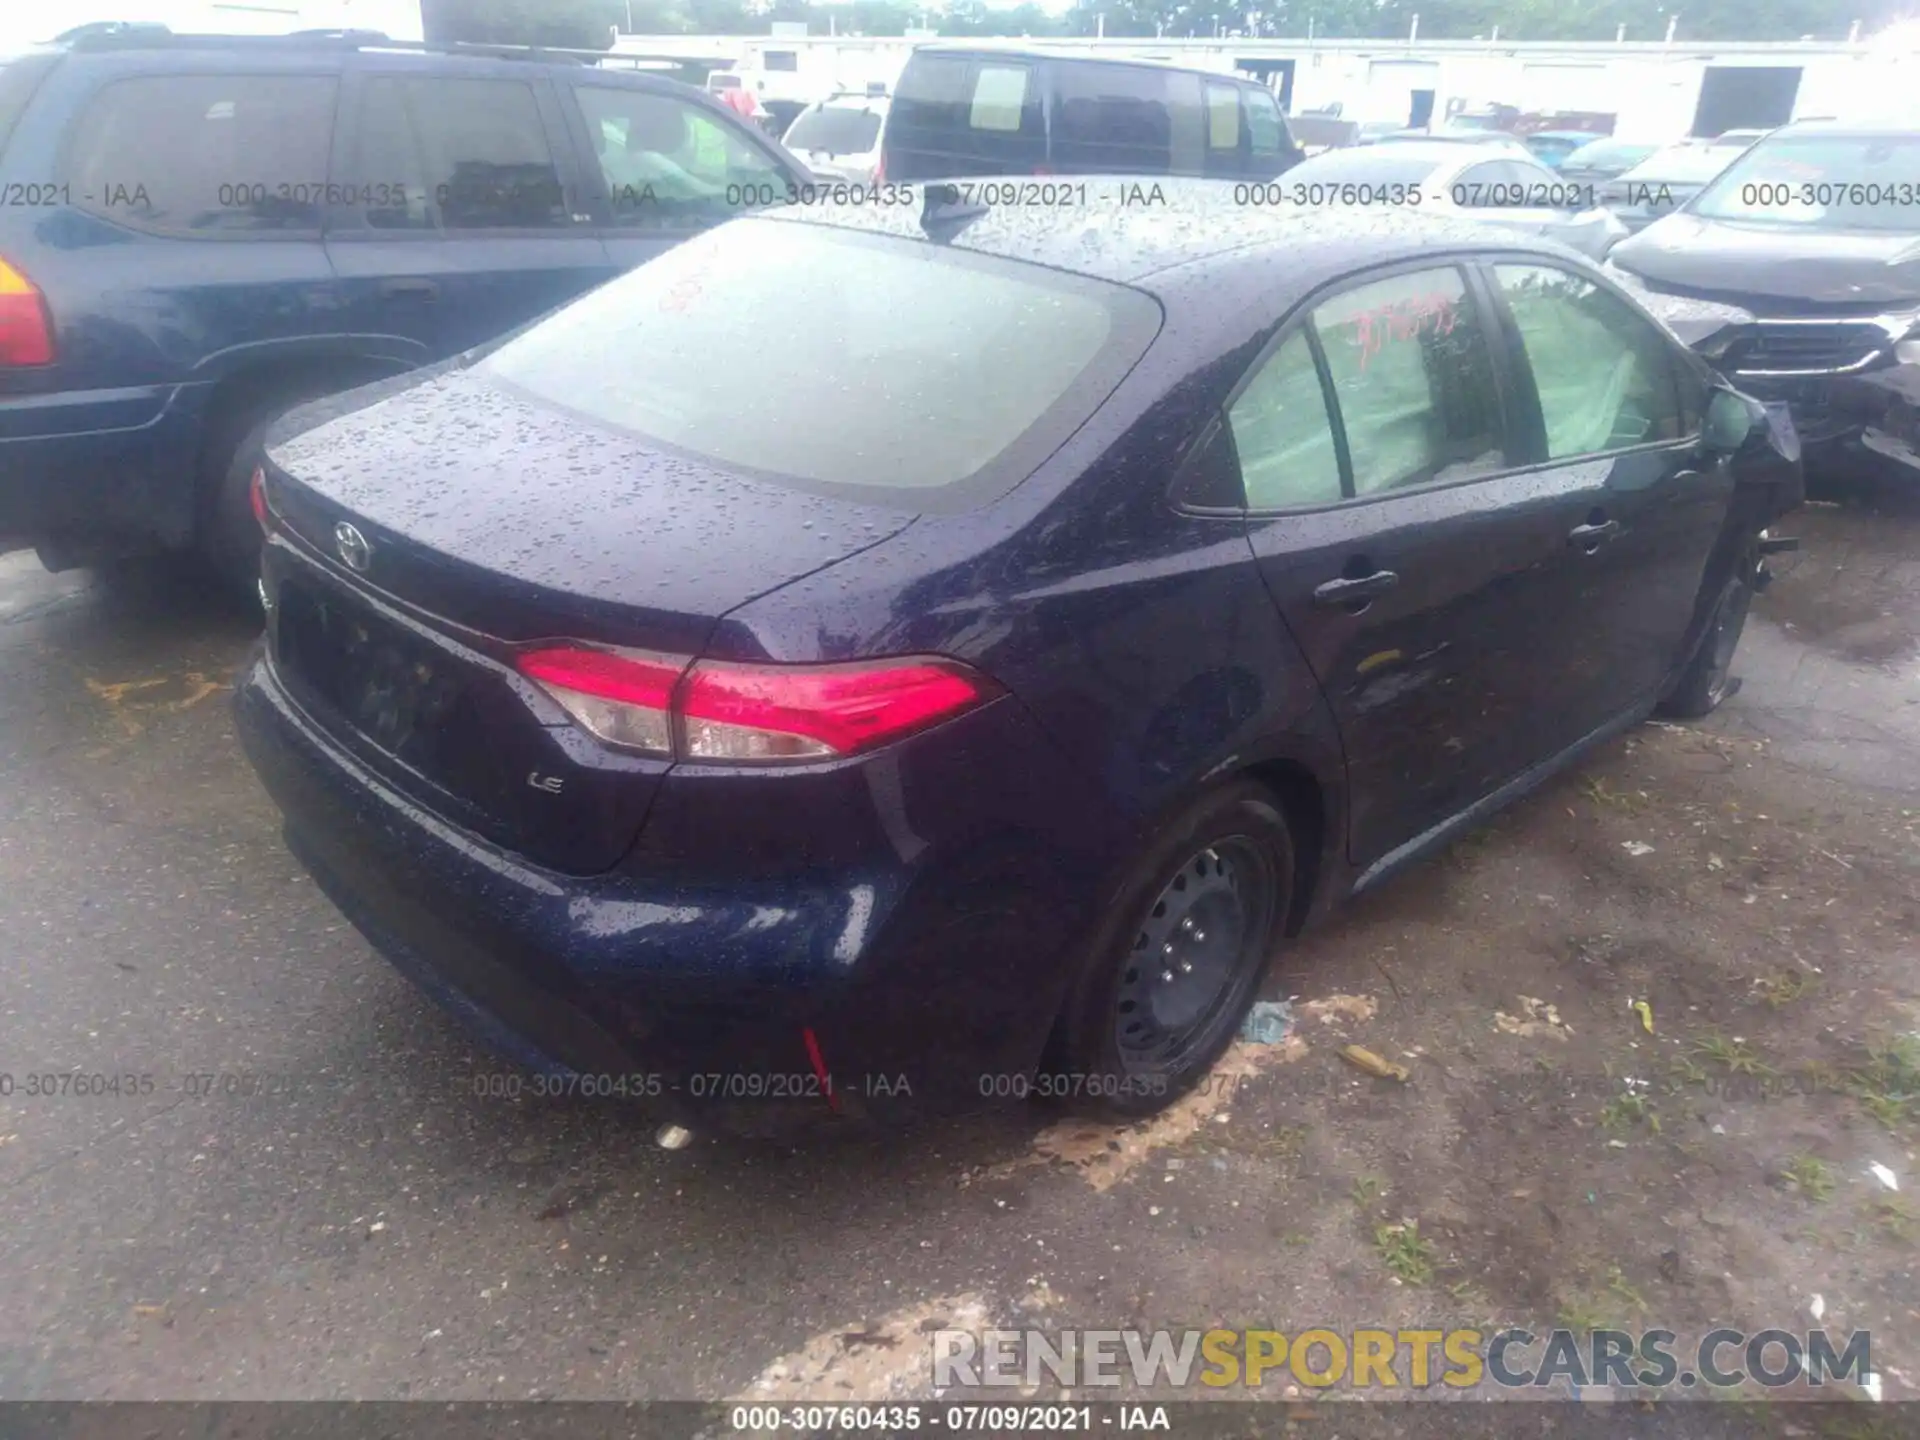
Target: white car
[
  {"x": 839, "y": 137},
  {"x": 1445, "y": 177}
]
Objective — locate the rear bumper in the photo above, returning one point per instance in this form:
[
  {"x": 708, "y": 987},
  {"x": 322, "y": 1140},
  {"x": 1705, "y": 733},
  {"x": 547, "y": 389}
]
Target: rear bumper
[
  {"x": 701, "y": 998},
  {"x": 100, "y": 463}
]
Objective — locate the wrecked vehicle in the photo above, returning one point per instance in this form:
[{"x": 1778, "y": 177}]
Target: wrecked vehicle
[
  {"x": 1813, "y": 238},
  {"x": 981, "y": 717}
]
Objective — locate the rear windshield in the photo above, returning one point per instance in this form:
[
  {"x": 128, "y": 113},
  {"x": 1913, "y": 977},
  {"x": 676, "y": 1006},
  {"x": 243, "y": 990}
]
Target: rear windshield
[
  {"x": 836, "y": 129},
  {"x": 1683, "y": 164},
  {"x": 1609, "y": 152},
  {"x": 841, "y": 361},
  {"x": 1825, "y": 182},
  {"x": 1369, "y": 165},
  {"x": 19, "y": 78}
]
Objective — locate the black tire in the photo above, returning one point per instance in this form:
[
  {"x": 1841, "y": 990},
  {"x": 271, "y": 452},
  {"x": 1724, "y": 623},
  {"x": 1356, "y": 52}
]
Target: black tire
[
  {"x": 1133, "y": 1039},
  {"x": 1708, "y": 679},
  {"x": 228, "y": 537}
]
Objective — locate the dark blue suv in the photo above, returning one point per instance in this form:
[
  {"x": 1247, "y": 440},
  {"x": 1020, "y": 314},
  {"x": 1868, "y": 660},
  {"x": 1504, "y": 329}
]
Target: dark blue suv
[{"x": 199, "y": 232}]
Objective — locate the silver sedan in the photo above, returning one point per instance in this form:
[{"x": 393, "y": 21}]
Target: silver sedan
[{"x": 1468, "y": 181}]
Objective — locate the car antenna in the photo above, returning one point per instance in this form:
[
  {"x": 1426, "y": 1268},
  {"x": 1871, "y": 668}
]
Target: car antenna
[{"x": 944, "y": 213}]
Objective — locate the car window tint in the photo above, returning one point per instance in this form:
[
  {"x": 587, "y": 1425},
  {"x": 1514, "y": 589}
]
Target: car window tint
[
  {"x": 1413, "y": 376},
  {"x": 1282, "y": 434},
  {"x": 1129, "y": 118},
  {"x": 1604, "y": 374},
  {"x": 1223, "y": 117},
  {"x": 485, "y": 154},
  {"x": 999, "y": 95},
  {"x": 670, "y": 164},
  {"x": 1265, "y": 128},
  {"x": 788, "y": 60},
  {"x": 214, "y": 153}
]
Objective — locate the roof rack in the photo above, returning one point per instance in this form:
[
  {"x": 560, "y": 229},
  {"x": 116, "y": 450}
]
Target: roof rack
[{"x": 119, "y": 35}]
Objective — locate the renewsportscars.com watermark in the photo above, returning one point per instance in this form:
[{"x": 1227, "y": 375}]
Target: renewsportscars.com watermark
[{"x": 1377, "y": 1359}]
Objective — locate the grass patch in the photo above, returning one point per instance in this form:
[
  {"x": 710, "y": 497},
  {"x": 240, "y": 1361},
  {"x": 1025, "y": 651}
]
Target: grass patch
[
  {"x": 1597, "y": 790},
  {"x": 1404, "y": 1253},
  {"x": 1888, "y": 1084},
  {"x": 1782, "y": 988},
  {"x": 1605, "y": 1307},
  {"x": 1366, "y": 1191},
  {"x": 1628, "y": 1111},
  {"x": 1895, "y": 1219},
  {"x": 1735, "y": 1057},
  {"x": 1810, "y": 1177}
]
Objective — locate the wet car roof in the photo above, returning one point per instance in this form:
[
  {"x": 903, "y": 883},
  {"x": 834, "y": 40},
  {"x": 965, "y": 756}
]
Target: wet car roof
[{"x": 1193, "y": 223}]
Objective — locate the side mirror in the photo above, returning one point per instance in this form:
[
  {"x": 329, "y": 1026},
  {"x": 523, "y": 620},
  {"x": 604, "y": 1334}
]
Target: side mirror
[{"x": 1729, "y": 421}]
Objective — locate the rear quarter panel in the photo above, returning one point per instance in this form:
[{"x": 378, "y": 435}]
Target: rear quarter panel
[{"x": 1138, "y": 638}]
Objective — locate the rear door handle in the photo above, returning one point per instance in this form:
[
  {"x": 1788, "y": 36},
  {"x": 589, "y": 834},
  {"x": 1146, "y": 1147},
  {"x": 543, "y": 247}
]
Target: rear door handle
[
  {"x": 1591, "y": 537},
  {"x": 1358, "y": 591},
  {"x": 425, "y": 289}
]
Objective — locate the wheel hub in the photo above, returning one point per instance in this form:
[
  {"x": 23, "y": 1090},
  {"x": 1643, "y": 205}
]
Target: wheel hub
[{"x": 1184, "y": 958}]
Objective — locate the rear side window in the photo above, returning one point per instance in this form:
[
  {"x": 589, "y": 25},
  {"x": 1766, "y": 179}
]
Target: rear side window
[
  {"x": 214, "y": 154},
  {"x": 1282, "y": 433},
  {"x": 1000, "y": 363},
  {"x": 18, "y": 80},
  {"x": 475, "y": 150},
  {"x": 1413, "y": 377},
  {"x": 783, "y": 60},
  {"x": 1128, "y": 119}
]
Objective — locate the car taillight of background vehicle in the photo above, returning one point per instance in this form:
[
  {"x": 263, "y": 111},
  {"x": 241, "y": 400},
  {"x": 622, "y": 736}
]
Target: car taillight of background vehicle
[
  {"x": 714, "y": 711},
  {"x": 26, "y": 329},
  {"x": 257, "y": 497}
]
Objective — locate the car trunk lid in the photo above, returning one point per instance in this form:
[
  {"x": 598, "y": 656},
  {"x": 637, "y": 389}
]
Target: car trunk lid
[{"x": 448, "y": 523}]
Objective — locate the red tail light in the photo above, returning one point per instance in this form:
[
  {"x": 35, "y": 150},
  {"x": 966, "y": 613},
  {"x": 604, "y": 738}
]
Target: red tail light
[
  {"x": 257, "y": 497},
  {"x": 880, "y": 169},
  {"x": 1043, "y": 170},
  {"x": 713, "y": 711},
  {"x": 26, "y": 330}
]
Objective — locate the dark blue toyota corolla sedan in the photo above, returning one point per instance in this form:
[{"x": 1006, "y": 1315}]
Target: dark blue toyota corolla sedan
[{"x": 876, "y": 658}]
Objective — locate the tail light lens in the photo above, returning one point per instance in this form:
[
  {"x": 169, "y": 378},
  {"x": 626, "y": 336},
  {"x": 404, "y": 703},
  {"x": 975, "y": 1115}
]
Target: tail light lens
[
  {"x": 622, "y": 697},
  {"x": 257, "y": 497},
  {"x": 747, "y": 714},
  {"x": 880, "y": 169},
  {"x": 26, "y": 330}
]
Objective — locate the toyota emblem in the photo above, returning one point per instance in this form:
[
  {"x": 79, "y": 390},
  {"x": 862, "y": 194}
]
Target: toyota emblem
[{"x": 353, "y": 547}]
